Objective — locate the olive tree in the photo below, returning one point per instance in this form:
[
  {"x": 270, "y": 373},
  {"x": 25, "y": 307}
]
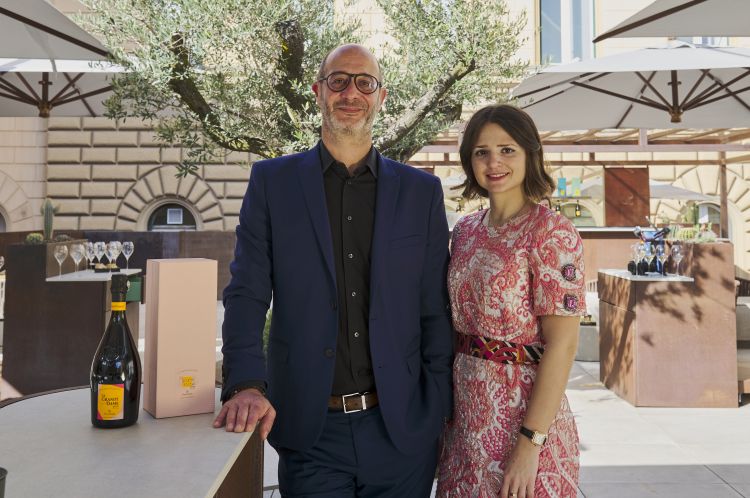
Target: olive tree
[{"x": 235, "y": 75}]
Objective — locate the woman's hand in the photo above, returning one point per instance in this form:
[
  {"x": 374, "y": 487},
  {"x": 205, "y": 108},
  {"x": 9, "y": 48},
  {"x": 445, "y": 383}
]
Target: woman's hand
[{"x": 520, "y": 471}]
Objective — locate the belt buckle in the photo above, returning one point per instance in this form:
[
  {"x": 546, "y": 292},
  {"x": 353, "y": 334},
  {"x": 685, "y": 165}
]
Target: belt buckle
[{"x": 361, "y": 395}]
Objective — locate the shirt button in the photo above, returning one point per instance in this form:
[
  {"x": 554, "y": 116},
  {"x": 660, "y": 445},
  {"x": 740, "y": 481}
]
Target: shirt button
[
  {"x": 328, "y": 353},
  {"x": 356, "y": 334},
  {"x": 354, "y": 293},
  {"x": 348, "y": 182},
  {"x": 350, "y": 256},
  {"x": 349, "y": 218}
]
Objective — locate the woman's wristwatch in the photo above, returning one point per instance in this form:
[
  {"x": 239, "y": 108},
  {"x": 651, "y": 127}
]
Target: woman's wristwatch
[{"x": 537, "y": 438}]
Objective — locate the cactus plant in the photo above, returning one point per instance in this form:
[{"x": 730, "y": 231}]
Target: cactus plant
[
  {"x": 48, "y": 212},
  {"x": 686, "y": 233},
  {"x": 34, "y": 238}
]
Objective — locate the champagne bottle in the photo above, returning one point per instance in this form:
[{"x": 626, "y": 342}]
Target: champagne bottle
[{"x": 116, "y": 368}]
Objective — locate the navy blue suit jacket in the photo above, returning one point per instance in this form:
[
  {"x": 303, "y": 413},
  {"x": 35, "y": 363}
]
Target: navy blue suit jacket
[{"x": 284, "y": 251}]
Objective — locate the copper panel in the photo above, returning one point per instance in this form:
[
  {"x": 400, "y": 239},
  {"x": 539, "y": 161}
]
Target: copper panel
[
  {"x": 626, "y": 196},
  {"x": 616, "y": 291},
  {"x": 616, "y": 350}
]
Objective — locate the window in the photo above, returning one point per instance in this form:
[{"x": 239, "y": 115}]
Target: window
[
  {"x": 171, "y": 217},
  {"x": 566, "y": 30},
  {"x": 711, "y": 213}
]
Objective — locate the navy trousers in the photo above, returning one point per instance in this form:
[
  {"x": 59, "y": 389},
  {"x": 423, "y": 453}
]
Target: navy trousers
[{"x": 354, "y": 457}]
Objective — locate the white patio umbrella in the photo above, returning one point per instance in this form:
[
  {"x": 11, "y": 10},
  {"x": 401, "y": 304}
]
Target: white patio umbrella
[
  {"x": 32, "y": 87},
  {"x": 675, "y": 18},
  {"x": 34, "y": 29},
  {"x": 680, "y": 86},
  {"x": 594, "y": 187}
]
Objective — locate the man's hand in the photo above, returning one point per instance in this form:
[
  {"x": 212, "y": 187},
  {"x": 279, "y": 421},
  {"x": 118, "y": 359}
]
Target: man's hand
[{"x": 244, "y": 410}]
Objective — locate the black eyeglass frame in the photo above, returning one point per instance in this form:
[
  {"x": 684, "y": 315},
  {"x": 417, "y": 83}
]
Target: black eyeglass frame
[{"x": 351, "y": 77}]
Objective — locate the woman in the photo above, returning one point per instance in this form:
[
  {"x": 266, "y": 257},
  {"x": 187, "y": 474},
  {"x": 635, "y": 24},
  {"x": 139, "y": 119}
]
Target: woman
[{"x": 517, "y": 290}]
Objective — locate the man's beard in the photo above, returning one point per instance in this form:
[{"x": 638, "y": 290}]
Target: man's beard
[{"x": 361, "y": 129}]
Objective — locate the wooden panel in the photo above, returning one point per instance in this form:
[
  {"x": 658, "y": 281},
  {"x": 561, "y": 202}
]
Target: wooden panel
[
  {"x": 616, "y": 291},
  {"x": 617, "y": 351},
  {"x": 245, "y": 478},
  {"x": 626, "y": 196}
]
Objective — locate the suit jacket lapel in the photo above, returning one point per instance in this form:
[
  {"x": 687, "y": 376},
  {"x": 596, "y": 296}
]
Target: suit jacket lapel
[
  {"x": 385, "y": 208},
  {"x": 311, "y": 178}
]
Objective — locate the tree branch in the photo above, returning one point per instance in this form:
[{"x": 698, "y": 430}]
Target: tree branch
[
  {"x": 405, "y": 149},
  {"x": 185, "y": 87},
  {"x": 290, "y": 62},
  {"x": 422, "y": 107}
]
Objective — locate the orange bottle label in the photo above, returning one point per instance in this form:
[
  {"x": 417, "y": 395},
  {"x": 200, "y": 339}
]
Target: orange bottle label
[
  {"x": 118, "y": 306},
  {"x": 109, "y": 406}
]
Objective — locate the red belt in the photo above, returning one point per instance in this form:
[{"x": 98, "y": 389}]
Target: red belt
[{"x": 499, "y": 351}]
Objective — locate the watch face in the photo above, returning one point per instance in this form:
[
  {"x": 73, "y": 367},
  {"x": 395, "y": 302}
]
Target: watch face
[{"x": 539, "y": 439}]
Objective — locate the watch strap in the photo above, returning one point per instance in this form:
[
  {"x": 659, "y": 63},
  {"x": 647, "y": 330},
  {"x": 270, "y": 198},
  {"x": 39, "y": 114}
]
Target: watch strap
[{"x": 534, "y": 436}]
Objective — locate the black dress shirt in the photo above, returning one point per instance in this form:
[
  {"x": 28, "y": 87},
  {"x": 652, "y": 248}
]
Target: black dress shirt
[{"x": 350, "y": 198}]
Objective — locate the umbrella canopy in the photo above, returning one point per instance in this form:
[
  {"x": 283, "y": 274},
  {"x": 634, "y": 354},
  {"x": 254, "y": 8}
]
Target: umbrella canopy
[
  {"x": 33, "y": 88},
  {"x": 594, "y": 187},
  {"x": 675, "y": 18},
  {"x": 680, "y": 86},
  {"x": 34, "y": 29}
]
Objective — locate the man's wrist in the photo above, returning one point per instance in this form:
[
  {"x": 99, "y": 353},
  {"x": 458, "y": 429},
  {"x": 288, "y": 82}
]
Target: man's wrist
[{"x": 259, "y": 389}]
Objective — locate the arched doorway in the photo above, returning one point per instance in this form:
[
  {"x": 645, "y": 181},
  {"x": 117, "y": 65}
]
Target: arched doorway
[{"x": 171, "y": 216}]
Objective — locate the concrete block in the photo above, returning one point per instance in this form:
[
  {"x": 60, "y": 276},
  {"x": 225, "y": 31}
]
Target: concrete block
[
  {"x": 171, "y": 155},
  {"x": 122, "y": 189},
  {"x": 99, "y": 123},
  {"x": 62, "y": 155},
  {"x": 141, "y": 190},
  {"x": 25, "y": 172},
  {"x": 115, "y": 172},
  {"x": 124, "y": 224},
  {"x": 148, "y": 139},
  {"x": 144, "y": 169},
  {"x": 134, "y": 202},
  {"x": 64, "y": 123},
  {"x": 105, "y": 206},
  {"x": 237, "y": 158},
  {"x": 224, "y": 172},
  {"x": 186, "y": 185},
  {"x": 63, "y": 189},
  {"x": 69, "y": 172},
  {"x": 71, "y": 206},
  {"x": 23, "y": 139},
  {"x": 135, "y": 124},
  {"x": 69, "y": 138},
  {"x": 126, "y": 138},
  {"x": 216, "y": 224},
  {"x": 154, "y": 184},
  {"x": 128, "y": 213},
  {"x": 231, "y": 206},
  {"x": 99, "y": 155},
  {"x": 212, "y": 213},
  {"x": 31, "y": 124},
  {"x": 66, "y": 222},
  {"x": 168, "y": 179},
  {"x": 138, "y": 155},
  {"x": 205, "y": 202},
  {"x": 98, "y": 189},
  {"x": 235, "y": 189},
  {"x": 97, "y": 222},
  {"x": 217, "y": 188},
  {"x": 16, "y": 200},
  {"x": 199, "y": 189},
  {"x": 231, "y": 222}
]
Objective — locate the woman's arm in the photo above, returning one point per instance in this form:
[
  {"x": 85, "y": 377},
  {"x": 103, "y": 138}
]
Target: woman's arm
[{"x": 561, "y": 337}]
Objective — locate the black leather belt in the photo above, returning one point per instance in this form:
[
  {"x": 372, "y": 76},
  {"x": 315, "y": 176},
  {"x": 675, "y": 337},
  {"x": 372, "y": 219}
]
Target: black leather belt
[{"x": 355, "y": 402}]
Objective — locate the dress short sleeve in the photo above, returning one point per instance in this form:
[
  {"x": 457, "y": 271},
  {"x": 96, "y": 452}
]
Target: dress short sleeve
[{"x": 556, "y": 264}]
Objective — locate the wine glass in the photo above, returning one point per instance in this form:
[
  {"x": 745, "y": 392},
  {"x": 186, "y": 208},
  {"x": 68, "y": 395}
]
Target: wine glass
[
  {"x": 662, "y": 255},
  {"x": 61, "y": 253},
  {"x": 99, "y": 248},
  {"x": 127, "y": 251},
  {"x": 650, "y": 253},
  {"x": 113, "y": 251},
  {"x": 677, "y": 256},
  {"x": 77, "y": 253},
  {"x": 2, "y": 263},
  {"x": 90, "y": 254}
]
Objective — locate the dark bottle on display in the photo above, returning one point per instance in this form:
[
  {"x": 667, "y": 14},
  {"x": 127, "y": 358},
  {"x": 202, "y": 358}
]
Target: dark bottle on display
[{"x": 116, "y": 368}]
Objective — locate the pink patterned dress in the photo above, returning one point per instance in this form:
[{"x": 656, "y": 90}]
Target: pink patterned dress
[{"x": 501, "y": 281}]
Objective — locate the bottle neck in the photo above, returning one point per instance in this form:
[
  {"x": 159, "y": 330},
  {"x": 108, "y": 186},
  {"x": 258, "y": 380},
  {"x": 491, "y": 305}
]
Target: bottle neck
[{"x": 118, "y": 306}]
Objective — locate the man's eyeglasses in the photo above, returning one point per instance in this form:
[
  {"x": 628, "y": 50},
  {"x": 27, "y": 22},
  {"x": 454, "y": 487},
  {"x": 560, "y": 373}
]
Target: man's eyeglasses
[{"x": 365, "y": 83}]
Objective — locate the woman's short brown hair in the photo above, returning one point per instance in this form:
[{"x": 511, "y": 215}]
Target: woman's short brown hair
[{"x": 537, "y": 183}]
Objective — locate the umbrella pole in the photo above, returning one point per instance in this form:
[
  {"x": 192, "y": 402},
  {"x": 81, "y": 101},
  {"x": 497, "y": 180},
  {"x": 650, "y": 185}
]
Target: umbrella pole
[{"x": 724, "y": 218}]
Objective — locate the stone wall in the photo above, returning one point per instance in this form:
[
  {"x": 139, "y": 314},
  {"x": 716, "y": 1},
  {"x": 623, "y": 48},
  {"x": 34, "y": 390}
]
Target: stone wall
[{"x": 104, "y": 175}]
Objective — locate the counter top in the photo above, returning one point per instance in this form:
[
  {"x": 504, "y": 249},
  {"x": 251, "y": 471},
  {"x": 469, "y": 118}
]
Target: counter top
[
  {"x": 91, "y": 276},
  {"x": 50, "y": 448},
  {"x": 650, "y": 277}
]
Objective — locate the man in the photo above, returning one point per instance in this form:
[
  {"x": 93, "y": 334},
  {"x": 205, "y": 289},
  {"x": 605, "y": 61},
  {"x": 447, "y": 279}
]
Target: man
[{"x": 353, "y": 247}]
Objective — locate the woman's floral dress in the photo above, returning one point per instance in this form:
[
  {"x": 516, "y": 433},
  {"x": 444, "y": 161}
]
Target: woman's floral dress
[{"x": 501, "y": 281}]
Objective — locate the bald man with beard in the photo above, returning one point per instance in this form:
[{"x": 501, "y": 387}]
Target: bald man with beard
[{"x": 353, "y": 249}]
